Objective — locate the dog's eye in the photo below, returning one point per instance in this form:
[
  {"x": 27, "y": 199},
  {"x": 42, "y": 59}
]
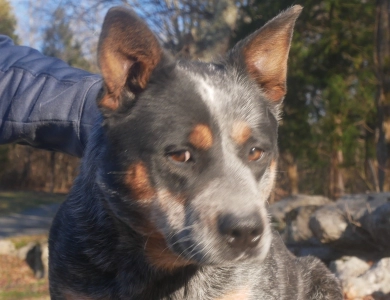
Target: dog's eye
[
  {"x": 180, "y": 156},
  {"x": 255, "y": 154}
]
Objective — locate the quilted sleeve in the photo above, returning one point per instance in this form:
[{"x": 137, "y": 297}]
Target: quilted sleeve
[{"x": 44, "y": 102}]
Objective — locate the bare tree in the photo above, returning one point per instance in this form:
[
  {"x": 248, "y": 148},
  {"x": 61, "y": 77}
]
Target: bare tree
[
  {"x": 189, "y": 28},
  {"x": 382, "y": 64}
]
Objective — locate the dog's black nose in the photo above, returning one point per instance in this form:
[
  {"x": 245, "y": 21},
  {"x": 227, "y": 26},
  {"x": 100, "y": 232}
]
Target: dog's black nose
[{"x": 241, "y": 232}]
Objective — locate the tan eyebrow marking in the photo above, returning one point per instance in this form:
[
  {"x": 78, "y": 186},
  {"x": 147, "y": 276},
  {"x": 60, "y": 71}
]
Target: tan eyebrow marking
[
  {"x": 201, "y": 137},
  {"x": 137, "y": 179},
  {"x": 241, "y": 132}
]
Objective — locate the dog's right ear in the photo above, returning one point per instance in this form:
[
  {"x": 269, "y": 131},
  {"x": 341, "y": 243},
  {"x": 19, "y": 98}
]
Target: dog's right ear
[{"x": 128, "y": 51}]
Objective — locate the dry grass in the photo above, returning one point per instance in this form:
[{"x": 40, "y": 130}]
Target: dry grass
[
  {"x": 23, "y": 240},
  {"x": 17, "y": 281}
]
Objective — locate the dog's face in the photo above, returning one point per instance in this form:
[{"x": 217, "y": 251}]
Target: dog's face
[{"x": 192, "y": 147}]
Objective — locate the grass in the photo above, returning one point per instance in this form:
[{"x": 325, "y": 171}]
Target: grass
[
  {"x": 24, "y": 240},
  {"x": 24, "y": 295},
  {"x": 16, "y": 202},
  {"x": 17, "y": 281}
]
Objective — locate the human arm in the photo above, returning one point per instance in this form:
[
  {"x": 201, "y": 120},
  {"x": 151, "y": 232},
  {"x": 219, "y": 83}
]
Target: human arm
[{"x": 44, "y": 102}]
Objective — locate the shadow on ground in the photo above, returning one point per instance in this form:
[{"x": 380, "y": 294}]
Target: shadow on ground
[{"x": 33, "y": 221}]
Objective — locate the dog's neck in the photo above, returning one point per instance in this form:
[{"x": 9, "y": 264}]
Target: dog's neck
[{"x": 148, "y": 281}]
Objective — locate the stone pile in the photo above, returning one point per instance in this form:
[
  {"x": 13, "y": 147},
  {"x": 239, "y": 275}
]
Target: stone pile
[{"x": 351, "y": 235}]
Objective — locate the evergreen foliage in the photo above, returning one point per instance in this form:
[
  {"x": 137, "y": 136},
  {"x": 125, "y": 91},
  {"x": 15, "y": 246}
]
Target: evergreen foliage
[
  {"x": 329, "y": 110},
  {"x": 7, "y": 20},
  {"x": 7, "y": 27}
]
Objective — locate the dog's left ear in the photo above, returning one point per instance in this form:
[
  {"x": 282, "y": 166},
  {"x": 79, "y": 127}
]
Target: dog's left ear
[
  {"x": 128, "y": 52},
  {"x": 265, "y": 53}
]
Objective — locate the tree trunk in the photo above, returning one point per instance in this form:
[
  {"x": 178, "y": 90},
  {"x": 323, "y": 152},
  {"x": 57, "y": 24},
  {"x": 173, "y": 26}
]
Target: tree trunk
[
  {"x": 292, "y": 172},
  {"x": 370, "y": 169},
  {"x": 336, "y": 180},
  {"x": 52, "y": 171},
  {"x": 340, "y": 179},
  {"x": 214, "y": 36},
  {"x": 382, "y": 101},
  {"x": 293, "y": 176},
  {"x": 25, "y": 176}
]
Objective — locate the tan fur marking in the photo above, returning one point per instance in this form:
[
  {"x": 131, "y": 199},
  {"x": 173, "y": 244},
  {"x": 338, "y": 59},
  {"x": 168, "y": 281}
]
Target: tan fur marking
[
  {"x": 242, "y": 294},
  {"x": 165, "y": 197},
  {"x": 241, "y": 132},
  {"x": 273, "y": 165},
  {"x": 160, "y": 256},
  {"x": 156, "y": 249},
  {"x": 271, "y": 74},
  {"x": 109, "y": 101},
  {"x": 137, "y": 179},
  {"x": 272, "y": 168},
  {"x": 201, "y": 137}
]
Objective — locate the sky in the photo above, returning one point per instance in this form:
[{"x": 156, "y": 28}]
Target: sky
[
  {"x": 34, "y": 15},
  {"x": 31, "y": 21},
  {"x": 20, "y": 10}
]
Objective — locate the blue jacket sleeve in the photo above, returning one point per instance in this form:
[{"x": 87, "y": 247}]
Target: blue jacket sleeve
[{"x": 44, "y": 102}]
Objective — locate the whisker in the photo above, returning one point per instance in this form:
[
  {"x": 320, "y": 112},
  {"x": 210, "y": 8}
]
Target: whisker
[
  {"x": 207, "y": 252},
  {"x": 178, "y": 241},
  {"x": 187, "y": 227},
  {"x": 192, "y": 255}
]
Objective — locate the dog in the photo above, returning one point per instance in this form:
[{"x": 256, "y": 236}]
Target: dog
[{"x": 170, "y": 202}]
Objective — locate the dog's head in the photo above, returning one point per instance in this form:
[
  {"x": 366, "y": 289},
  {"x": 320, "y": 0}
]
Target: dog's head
[{"x": 191, "y": 146}]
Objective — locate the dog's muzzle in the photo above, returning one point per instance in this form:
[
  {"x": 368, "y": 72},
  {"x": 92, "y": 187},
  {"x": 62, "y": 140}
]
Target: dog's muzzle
[{"x": 241, "y": 233}]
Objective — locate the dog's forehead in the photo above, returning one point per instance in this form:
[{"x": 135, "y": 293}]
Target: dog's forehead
[{"x": 229, "y": 95}]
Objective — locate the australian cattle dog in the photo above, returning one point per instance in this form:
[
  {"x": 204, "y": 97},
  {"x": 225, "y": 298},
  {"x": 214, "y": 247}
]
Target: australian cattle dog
[{"x": 170, "y": 202}]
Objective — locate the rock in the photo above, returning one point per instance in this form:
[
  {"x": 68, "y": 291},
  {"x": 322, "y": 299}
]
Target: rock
[
  {"x": 7, "y": 247},
  {"x": 343, "y": 223},
  {"x": 377, "y": 223},
  {"x": 375, "y": 280},
  {"x": 357, "y": 205},
  {"x": 348, "y": 267},
  {"x": 381, "y": 197},
  {"x": 328, "y": 223},
  {"x": 297, "y": 225},
  {"x": 378, "y": 296},
  {"x": 45, "y": 258},
  {"x": 279, "y": 209},
  {"x": 323, "y": 252}
]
